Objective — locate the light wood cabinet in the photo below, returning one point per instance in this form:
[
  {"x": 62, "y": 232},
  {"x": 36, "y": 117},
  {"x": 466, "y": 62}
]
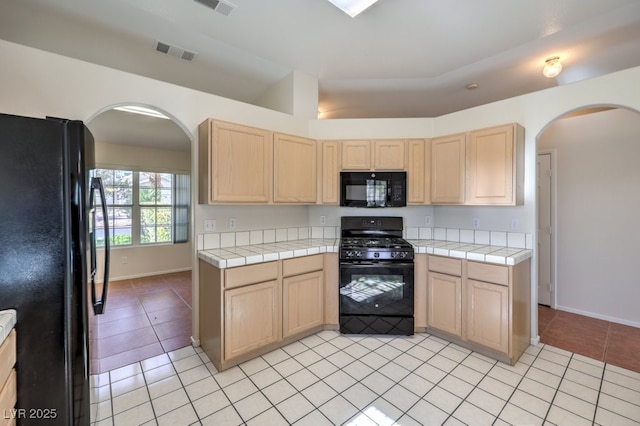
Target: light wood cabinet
[
  {"x": 376, "y": 154},
  {"x": 295, "y": 177},
  {"x": 8, "y": 383},
  {"x": 329, "y": 181},
  {"x": 331, "y": 290},
  {"x": 251, "y": 318},
  {"x": 418, "y": 161},
  {"x": 249, "y": 310},
  {"x": 356, "y": 155},
  {"x": 482, "y": 306},
  {"x": 495, "y": 166},
  {"x": 448, "y": 169},
  {"x": 235, "y": 163},
  {"x": 499, "y": 307},
  {"x": 302, "y": 294},
  {"x": 488, "y": 316},
  {"x": 444, "y": 289},
  {"x": 388, "y": 154}
]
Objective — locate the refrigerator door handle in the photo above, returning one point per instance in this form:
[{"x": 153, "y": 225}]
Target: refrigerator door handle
[{"x": 99, "y": 304}]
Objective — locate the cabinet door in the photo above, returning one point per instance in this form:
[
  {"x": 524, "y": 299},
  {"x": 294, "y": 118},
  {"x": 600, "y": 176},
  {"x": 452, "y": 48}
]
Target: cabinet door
[
  {"x": 295, "y": 178},
  {"x": 448, "y": 169},
  {"x": 251, "y": 318},
  {"x": 240, "y": 163},
  {"x": 388, "y": 154},
  {"x": 491, "y": 166},
  {"x": 445, "y": 303},
  {"x": 302, "y": 297},
  {"x": 330, "y": 179},
  {"x": 418, "y": 171},
  {"x": 488, "y": 315},
  {"x": 356, "y": 155}
]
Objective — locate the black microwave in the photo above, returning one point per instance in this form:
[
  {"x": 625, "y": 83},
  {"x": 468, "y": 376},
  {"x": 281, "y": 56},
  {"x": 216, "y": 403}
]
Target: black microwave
[{"x": 373, "y": 189}]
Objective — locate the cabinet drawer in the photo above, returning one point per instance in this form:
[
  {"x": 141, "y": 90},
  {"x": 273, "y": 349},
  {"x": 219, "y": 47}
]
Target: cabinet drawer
[
  {"x": 243, "y": 275},
  {"x": 445, "y": 265},
  {"x": 302, "y": 265},
  {"x": 7, "y": 356},
  {"x": 488, "y": 273}
]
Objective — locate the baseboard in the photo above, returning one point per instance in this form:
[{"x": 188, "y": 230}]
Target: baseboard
[
  {"x": 195, "y": 342},
  {"x": 535, "y": 341},
  {"x": 598, "y": 316}
]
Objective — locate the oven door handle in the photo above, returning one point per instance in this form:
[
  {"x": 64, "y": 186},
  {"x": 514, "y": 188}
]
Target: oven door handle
[{"x": 364, "y": 263}]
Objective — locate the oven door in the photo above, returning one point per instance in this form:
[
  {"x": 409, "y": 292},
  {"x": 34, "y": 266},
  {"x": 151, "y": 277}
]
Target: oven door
[{"x": 376, "y": 288}]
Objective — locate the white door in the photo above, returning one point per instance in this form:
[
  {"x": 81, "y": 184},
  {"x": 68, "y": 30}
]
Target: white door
[{"x": 546, "y": 285}]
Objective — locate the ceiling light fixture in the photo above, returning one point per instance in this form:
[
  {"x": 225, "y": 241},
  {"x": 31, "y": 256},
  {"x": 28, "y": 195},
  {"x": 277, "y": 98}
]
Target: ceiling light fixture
[
  {"x": 352, "y": 7},
  {"x": 552, "y": 67},
  {"x": 142, "y": 111}
]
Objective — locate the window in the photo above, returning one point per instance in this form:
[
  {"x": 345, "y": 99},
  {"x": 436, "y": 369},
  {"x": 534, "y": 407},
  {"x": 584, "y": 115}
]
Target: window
[
  {"x": 155, "y": 198},
  {"x": 144, "y": 207}
]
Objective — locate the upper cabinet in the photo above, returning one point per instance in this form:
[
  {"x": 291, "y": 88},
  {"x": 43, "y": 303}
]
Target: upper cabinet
[
  {"x": 235, "y": 163},
  {"x": 448, "y": 169},
  {"x": 388, "y": 154},
  {"x": 245, "y": 165},
  {"x": 495, "y": 162},
  {"x": 356, "y": 155},
  {"x": 295, "y": 177},
  {"x": 378, "y": 154},
  {"x": 329, "y": 181},
  {"x": 241, "y": 164},
  {"x": 418, "y": 171}
]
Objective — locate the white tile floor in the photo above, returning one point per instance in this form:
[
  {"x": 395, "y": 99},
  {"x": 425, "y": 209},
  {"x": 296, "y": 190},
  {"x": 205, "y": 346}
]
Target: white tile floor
[{"x": 329, "y": 379}]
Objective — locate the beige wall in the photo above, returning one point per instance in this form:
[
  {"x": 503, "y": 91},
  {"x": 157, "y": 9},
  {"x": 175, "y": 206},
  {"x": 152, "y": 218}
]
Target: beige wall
[
  {"x": 597, "y": 203},
  {"x": 109, "y": 155},
  {"x": 140, "y": 261},
  {"x": 38, "y": 83}
]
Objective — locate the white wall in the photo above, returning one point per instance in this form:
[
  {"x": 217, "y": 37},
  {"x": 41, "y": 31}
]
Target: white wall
[
  {"x": 598, "y": 201},
  {"x": 37, "y": 83}
]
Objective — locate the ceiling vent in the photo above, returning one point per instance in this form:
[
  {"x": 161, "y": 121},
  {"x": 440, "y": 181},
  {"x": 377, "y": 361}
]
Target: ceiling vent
[
  {"x": 175, "y": 51},
  {"x": 222, "y": 7}
]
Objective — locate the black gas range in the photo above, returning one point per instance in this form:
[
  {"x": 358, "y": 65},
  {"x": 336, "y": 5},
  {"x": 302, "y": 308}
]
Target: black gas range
[{"x": 376, "y": 276}]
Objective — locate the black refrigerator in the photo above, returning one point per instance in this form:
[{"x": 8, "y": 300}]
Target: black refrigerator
[{"x": 48, "y": 267}]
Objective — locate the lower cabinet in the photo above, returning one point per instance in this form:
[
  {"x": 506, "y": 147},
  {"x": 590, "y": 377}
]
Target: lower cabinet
[
  {"x": 488, "y": 315},
  {"x": 251, "y": 317},
  {"x": 249, "y": 310},
  {"x": 444, "y": 301},
  {"x": 8, "y": 386},
  {"x": 483, "y": 306},
  {"x": 302, "y": 295}
]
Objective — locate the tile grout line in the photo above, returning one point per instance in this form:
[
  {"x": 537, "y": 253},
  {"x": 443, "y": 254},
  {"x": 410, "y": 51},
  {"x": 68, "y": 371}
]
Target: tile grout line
[{"x": 515, "y": 388}]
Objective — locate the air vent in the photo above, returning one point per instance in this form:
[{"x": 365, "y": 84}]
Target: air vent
[
  {"x": 175, "y": 51},
  {"x": 222, "y": 7}
]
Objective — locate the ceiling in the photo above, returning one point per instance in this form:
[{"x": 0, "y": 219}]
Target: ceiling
[{"x": 399, "y": 58}]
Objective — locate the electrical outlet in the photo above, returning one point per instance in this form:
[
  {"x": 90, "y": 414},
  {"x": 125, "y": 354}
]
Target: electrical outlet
[
  {"x": 515, "y": 224},
  {"x": 323, "y": 220},
  {"x": 232, "y": 223},
  {"x": 209, "y": 225},
  {"x": 476, "y": 223},
  {"x": 427, "y": 221},
  {"x": 124, "y": 260}
]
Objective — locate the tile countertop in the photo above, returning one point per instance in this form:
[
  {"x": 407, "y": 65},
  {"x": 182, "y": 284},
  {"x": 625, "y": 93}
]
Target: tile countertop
[
  {"x": 245, "y": 255},
  {"x": 7, "y": 322}
]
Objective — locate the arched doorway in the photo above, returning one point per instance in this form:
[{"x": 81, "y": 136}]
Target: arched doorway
[
  {"x": 592, "y": 202},
  {"x": 145, "y": 161}
]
